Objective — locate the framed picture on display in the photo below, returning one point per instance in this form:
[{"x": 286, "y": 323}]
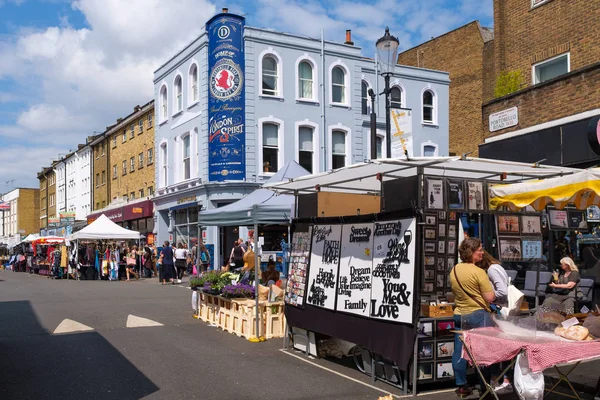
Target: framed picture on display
[
  {"x": 531, "y": 249},
  {"x": 425, "y": 350},
  {"x": 430, "y": 233},
  {"x": 424, "y": 371},
  {"x": 451, "y": 231},
  {"x": 450, "y": 263},
  {"x": 441, "y": 247},
  {"x": 429, "y": 247},
  {"x": 430, "y": 219},
  {"x": 455, "y": 190},
  {"x": 442, "y": 230},
  {"x": 451, "y": 247},
  {"x": 452, "y": 215},
  {"x": 510, "y": 249},
  {"x": 430, "y": 261},
  {"x": 444, "y": 349},
  {"x": 429, "y": 274},
  {"x": 443, "y": 328},
  {"x": 434, "y": 193},
  {"x": 441, "y": 264},
  {"x": 559, "y": 219},
  {"x": 577, "y": 220},
  {"x": 442, "y": 215},
  {"x": 476, "y": 196},
  {"x": 425, "y": 329},
  {"x": 508, "y": 224},
  {"x": 531, "y": 225},
  {"x": 428, "y": 287},
  {"x": 444, "y": 370},
  {"x": 440, "y": 281}
]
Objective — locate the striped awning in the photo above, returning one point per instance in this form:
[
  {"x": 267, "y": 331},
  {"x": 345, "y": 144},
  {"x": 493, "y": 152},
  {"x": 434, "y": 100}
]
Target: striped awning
[{"x": 581, "y": 190}]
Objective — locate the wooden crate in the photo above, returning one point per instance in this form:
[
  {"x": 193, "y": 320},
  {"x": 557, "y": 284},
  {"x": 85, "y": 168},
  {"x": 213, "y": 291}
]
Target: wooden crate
[{"x": 437, "y": 311}]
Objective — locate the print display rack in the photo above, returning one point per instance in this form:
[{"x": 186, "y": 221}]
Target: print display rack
[
  {"x": 435, "y": 347},
  {"x": 299, "y": 256},
  {"x": 519, "y": 237}
]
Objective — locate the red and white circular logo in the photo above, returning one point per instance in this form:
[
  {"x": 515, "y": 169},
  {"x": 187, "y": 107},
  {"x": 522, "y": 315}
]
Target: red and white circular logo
[{"x": 226, "y": 79}]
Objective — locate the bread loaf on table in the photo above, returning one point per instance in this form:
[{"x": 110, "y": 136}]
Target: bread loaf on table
[
  {"x": 576, "y": 332},
  {"x": 559, "y": 330}
]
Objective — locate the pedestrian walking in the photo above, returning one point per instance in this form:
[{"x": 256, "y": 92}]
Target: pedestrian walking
[
  {"x": 180, "y": 261},
  {"x": 167, "y": 263},
  {"x": 203, "y": 260}
]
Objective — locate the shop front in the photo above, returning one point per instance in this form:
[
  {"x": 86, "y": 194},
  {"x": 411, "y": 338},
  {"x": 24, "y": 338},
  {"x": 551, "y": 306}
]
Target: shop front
[{"x": 136, "y": 216}]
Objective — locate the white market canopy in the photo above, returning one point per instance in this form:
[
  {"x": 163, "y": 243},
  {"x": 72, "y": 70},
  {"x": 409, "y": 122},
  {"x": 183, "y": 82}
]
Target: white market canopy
[
  {"x": 30, "y": 238},
  {"x": 104, "y": 228},
  {"x": 363, "y": 177},
  {"x": 262, "y": 206},
  {"x": 581, "y": 189}
]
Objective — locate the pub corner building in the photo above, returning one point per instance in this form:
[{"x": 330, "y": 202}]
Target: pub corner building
[{"x": 238, "y": 103}]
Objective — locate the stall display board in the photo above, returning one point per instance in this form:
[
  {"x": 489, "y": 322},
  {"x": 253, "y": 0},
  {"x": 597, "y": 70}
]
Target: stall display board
[
  {"x": 435, "y": 350},
  {"x": 324, "y": 264},
  {"x": 299, "y": 255},
  {"x": 519, "y": 237},
  {"x": 440, "y": 245}
]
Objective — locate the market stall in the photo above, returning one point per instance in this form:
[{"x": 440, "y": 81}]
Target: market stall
[
  {"x": 382, "y": 273},
  {"x": 44, "y": 253},
  {"x": 100, "y": 234}
]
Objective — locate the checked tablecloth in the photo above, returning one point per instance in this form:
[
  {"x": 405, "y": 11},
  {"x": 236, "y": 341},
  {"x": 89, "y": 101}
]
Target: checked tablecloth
[{"x": 491, "y": 346}]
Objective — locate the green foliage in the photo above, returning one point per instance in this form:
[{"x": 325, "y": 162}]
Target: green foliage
[{"x": 508, "y": 82}]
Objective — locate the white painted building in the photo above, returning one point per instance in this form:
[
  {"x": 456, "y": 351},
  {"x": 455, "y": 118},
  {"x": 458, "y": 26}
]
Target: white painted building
[
  {"x": 60, "y": 173},
  {"x": 78, "y": 182}
]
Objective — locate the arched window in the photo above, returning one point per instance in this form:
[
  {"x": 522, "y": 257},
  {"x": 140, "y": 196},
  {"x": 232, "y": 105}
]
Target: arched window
[
  {"x": 270, "y": 77},
  {"x": 164, "y": 102},
  {"x": 338, "y": 85},
  {"x": 193, "y": 79},
  {"x": 364, "y": 98},
  {"x": 428, "y": 107},
  {"x": 305, "y": 80},
  {"x": 338, "y": 147},
  {"x": 396, "y": 97},
  {"x": 178, "y": 94}
]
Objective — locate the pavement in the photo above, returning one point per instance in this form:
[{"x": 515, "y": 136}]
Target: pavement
[{"x": 117, "y": 340}]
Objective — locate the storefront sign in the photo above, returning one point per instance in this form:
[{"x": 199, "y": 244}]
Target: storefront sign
[
  {"x": 324, "y": 264},
  {"x": 504, "y": 119},
  {"x": 53, "y": 222},
  {"x": 188, "y": 199},
  {"x": 356, "y": 262},
  {"x": 393, "y": 270},
  {"x": 226, "y": 107},
  {"x": 67, "y": 218},
  {"x": 401, "y": 133}
]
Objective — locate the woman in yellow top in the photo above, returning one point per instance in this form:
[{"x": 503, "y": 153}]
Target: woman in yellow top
[{"x": 473, "y": 294}]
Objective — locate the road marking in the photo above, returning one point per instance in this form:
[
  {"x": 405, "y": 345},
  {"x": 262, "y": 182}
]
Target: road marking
[
  {"x": 138, "y": 322},
  {"x": 339, "y": 374},
  {"x": 68, "y": 326}
]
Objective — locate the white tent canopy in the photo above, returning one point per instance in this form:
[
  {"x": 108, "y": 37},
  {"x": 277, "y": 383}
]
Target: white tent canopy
[
  {"x": 262, "y": 206},
  {"x": 362, "y": 178},
  {"x": 104, "y": 228}
]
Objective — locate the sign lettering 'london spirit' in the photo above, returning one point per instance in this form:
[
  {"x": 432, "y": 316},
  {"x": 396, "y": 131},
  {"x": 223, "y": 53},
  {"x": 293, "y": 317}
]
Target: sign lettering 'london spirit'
[{"x": 226, "y": 118}]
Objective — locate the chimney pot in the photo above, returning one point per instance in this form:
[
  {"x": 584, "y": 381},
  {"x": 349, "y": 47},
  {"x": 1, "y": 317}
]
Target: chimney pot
[
  {"x": 349, "y": 37},
  {"x": 225, "y": 9}
]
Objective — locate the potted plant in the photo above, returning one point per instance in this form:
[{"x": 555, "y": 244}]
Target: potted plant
[
  {"x": 238, "y": 291},
  {"x": 196, "y": 283}
]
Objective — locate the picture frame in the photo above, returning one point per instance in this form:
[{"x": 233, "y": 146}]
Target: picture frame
[
  {"x": 452, "y": 215},
  {"x": 451, "y": 231},
  {"x": 430, "y": 261},
  {"x": 577, "y": 220},
  {"x": 425, "y": 329},
  {"x": 430, "y": 233},
  {"x": 442, "y": 215},
  {"x": 429, "y": 274},
  {"x": 430, "y": 247},
  {"x": 508, "y": 224},
  {"x": 531, "y": 225},
  {"x": 424, "y": 371},
  {"x": 444, "y": 328},
  {"x": 475, "y": 196},
  {"x": 441, "y": 230},
  {"x": 426, "y": 350},
  {"x": 455, "y": 192},
  {"x": 434, "y": 194},
  {"x": 451, "y": 247},
  {"x": 441, "y": 247},
  {"x": 444, "y": 370},
  {"x": 509, "y": 249},
  {"x": 450, "y": 263},
  {"x": 428, "y": 287},
  {"x": 440, "y": 264},
  {"x": 440, "y": 281},
  {"x": 444, "y": 349},
  {"x": 430, "y": 219},
  {"x": 558, "y": 219},
  {"x": 531, "y": 249}
]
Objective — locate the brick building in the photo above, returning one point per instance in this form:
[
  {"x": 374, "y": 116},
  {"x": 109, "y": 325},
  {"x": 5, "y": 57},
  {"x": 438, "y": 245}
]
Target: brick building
[
  {"x": 123, "y": 170},
  {"x": 44, "y": 179},
  {"x": 559, "y": 68},
  {"x": 461, "y": 53},
  {"x": 23, "y": 217}
]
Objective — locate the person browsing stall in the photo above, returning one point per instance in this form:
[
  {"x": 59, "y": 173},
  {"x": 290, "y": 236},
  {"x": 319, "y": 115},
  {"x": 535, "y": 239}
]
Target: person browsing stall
[
  {"x": 497, "y": 276},
  {"x": 473, "y": 293}
]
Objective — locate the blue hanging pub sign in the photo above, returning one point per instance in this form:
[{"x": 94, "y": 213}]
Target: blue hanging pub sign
[{"x": 226, "y": 108}]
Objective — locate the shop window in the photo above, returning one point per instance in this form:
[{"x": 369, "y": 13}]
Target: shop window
[
  {"x": 181, "y": 216},
  {"x": 306, "y": 147},
  {"x": 270, "y": 76},
  {"x": 270, "y": 139},
  {"x": 149, "y": 224},
  {"x": 186, "y": 158},
  {"x": 551, "y": 68},
  {"x": 193, "y": 214},
  {"x": 338, "y": 85},
  {"x": 364, "y": 98},
  {"x": 396, "y": 97},
  {"x": 135, "y": 225},
  {"x": 305, "y": 80},
  {"x": 428, "y": 107}
]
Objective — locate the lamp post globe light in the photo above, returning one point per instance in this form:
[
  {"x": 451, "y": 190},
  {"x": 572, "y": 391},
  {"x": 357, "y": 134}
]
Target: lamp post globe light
[{"x": 387, "y": 54}]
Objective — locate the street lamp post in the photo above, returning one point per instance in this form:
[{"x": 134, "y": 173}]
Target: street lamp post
[{"x": 387, "y": 53}]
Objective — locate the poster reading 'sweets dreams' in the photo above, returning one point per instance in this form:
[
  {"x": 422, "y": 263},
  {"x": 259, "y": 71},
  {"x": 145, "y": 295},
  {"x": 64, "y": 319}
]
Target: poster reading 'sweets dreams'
[
  {"x": 226, "y": 112},
  {"x": 356, "y": 263},
  {"x": 324, "y": 264}
]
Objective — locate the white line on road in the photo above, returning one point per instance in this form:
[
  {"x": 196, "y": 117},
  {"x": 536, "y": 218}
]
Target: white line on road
[
  {"x": 69, "y": 326},
  {"x": 138, "y": 322},
  {"x": 338, "y": 373}
]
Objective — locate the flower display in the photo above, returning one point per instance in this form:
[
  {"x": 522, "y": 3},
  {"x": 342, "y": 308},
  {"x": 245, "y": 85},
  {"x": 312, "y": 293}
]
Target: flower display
[{"x": 238, "y": 291}]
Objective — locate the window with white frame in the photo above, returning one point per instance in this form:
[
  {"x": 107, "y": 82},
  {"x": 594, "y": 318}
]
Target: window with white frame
[
  {"x": 114, "y": 141},
  {"x": 338, "y": 85},
  {"x": 141, "y": 160},
  {"x": 396, "y": 97},
  {"x": 149, "y": 157},
  {"x": 305, "y": 80},
  {"x": 164, "y": 166},
  {"x": 270, "y": 150},
  {"x": 164, "y": 103},
  {"x": 428, "y": 107},
  {"x": 186, "y": 157},
  {"x": 150, "y": 191},
  {"x": 364, "y": 98},
  {"x": 132, "y": 164},
  {"x": 124, "y": 168},
  {"x": 193, "y": 83},
  {"x": 124, "y": 135},
  {"x": 132, "y": 130},
  {"x": 338, "y": 149},
  {"x": 141, "y": 193},
  {"x": 270, "y": 77},
  {"x": 141, "y": 125},
  {"x": 429, "y": 150},
  {"x": 115, "y": 171},
  {"x": 150, "y": 116},
  {"x": 379, "y": 146},
  {"x": 548, "y": 69},
  {"x": 178, "y": 94},
  {"x": 306, "y": 147}
]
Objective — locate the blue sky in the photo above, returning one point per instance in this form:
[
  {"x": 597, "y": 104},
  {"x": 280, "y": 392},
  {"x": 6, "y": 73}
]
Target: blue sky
[{"x": 69, "y": 68}]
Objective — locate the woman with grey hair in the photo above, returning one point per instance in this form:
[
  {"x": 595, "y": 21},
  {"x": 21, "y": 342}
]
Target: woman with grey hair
[{"x": 564, "y": 290}]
